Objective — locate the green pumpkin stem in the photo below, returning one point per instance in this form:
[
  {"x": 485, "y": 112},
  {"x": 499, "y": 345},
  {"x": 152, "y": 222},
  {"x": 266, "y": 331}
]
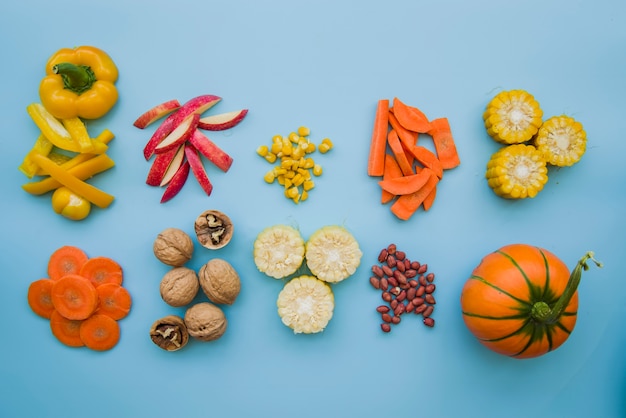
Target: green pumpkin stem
[
  {"x": 77, "y": 78},
  {"x": 542, "y": 312}
]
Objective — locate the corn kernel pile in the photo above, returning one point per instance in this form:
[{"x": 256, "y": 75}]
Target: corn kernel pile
[{"x": 294, "y": 167}]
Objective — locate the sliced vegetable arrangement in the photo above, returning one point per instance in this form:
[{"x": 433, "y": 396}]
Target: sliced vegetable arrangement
[
  {"x": 522, "y": 301},
  {"x": 410, "y": 171},
  {"x": 332, "y": 254},
  {"x": 83, "y": 298},
  {"x": 178, "y": 144},
  {"x": 520, "y": 169},
  {"x": 294, "y": 166}
]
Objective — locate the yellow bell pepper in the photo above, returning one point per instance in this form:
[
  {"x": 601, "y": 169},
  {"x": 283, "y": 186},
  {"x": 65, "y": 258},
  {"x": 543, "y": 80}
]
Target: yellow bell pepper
[
  {"x": 79, "y": 82},
  {"x": 67, "y": 203}
]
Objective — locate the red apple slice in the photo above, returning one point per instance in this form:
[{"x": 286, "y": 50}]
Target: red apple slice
[
  {"x": 160, "y": 166},
  {"x": 156, "y": 113},
  {"x": 197, "y": 168},
  {"x": 179, "y": 135},
  {"x": 177, "y": 182},
  {"x": 211, "y": 151},
  {"x": 173, "y": 167},
  {"x": 197, "y": 105},
  {"x": 222, "y": 121}
]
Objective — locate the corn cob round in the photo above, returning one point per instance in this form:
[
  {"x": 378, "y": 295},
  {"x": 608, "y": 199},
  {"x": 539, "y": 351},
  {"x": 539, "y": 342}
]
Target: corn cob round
[
  {"x": 561, "y": 140},
  {"x": 512, "y": 117},
  {"x": 332, "y": 254},
  {"x": 279, "y": 251},
  {"x": 517, "y": 171},
  {"x": 306, "y": 304}
]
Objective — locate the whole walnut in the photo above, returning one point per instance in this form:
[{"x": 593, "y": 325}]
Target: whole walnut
[
  {"x": 179, "y": 286},
  {"x": 205, "y": 321},
  {"x": 219, "y": 281},
  {"x": 173, "y": 247}
]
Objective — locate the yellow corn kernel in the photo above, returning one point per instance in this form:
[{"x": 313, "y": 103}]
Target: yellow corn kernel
[
  {"x": 271, "y": 157},
  {"x": 317, "y": 170},
  {"x": 296, "y": 198},
  {"x": 298, "y": 152},
  {"x": 304, "y": 131},
  {"x": 303, "y": 171},
  {"x": 262, "y": 150},
  {"x": 281, "y": 179},
  {"x": 323, "y": 148},
  {"x": 298, "y": 179},
  {"x": 308, "y": 185},
  {"x": 277, "y": 138},
  {"x": 269, "y": 177},
  {"x": 290, "y": 174},
  {"x": 304, "y": 195},
  {"x": 291, "y": 192},
  {"x": 277, "y": 147},
  {"x": 517, "y": 171},
  {"x": 561, "y": 140},
  {"x": 512, "y": 117},
  {"x": 279, "y": 171},
  {"x": 293, "y": 137},
  {"x": 288, "y": 183},
  {"x": 287, "y": 149},
  {"x": 308, "y": 163},
  {"x": 286, "y": 163},
  {"x": 310, "y": 148}
]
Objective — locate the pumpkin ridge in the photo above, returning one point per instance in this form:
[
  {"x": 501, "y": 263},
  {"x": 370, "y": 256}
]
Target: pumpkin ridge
[
  {"x": 546, "y": 289},
  {"x": 533, "y": 290},
  {"x": 504, "y": 292},
  {"x": 495, "y": 318},
  {"x": 509, "y": 335}
]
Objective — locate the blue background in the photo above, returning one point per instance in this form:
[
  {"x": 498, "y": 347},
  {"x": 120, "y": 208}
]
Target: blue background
[{"x": 322, "y": 64}]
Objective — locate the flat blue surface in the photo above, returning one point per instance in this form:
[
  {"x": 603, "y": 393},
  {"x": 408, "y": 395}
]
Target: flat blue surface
[{"x": 322, "y": 64}]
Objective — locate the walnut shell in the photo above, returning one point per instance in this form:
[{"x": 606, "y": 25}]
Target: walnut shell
[
  {"x": 169, "y": 333},
  {"x": 219, "y": 281},
  {"x": 179, "y": 286},
  {"x": 205, "y": 321},
  {"x": 214, "y": 229},
  {"x": 173, "y": 247}
]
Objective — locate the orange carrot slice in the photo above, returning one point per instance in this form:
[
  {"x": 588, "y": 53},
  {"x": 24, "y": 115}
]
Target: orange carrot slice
[
  {"x": 39, "y": 297},
  {"x": 398, "y": 151},
  {"x": 65, "y": 260},
  {"x": 392, "y": 170},
  {"x": 74, "y": 297},
  {"x": 407, "y": 137},
  {"x": 100, "y": 332},
  {"x": 66, "y": 330},
  {"x": 428, "y": 201},
  {"x": 114, "y": 301},
  {"x": 444, "y": 143},
  {"x": 410, "y": 117},
  {"x": 406, "y": 184},
  {"x": 378, "y": 144},
  {"x": 100, "y": 270},
  {"x": 426, "y": 158},
  {"x": 406, "y": 205}
]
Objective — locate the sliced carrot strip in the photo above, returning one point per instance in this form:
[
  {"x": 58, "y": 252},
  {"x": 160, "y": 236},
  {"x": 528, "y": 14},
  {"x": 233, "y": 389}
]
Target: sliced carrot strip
[
  {"x": 74, "y": 297},
  {"x": 429, "y": 200},
  {"x": 100, "y": 270},
  {"x": 66, "y": 260},
  {"x": 444, "y": 143},
  {"x": 398, "y": 151},
  {"x": 114, "y": 301},
  {"x": 100, "y": 332},
  {"x": 66, "y": 330},
  {"x": 392, "y": 170},
  {"x": 406, "y": 184},
  {"x": 410, "y": 117},
  {"x": 407, "y": 137},
  {"x": 426, "y": 158},
  {"x": 378, "y": 144},
  {"x": 39, "y": 297},
  {"x": 406, "y": 205}
]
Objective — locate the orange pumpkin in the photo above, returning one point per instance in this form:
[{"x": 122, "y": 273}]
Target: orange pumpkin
[{"x": 521, "y": 300}]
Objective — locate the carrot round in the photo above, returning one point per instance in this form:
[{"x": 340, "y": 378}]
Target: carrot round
[
  {"x": 100, "y": 332},
  {"x": 378, "y": 143},
  {"x": 39, "y": 297},
  {"x": 66, "y": 330},
  {"x": 66, "y": 260},
  {"x": 100, "y": 270},
  {"x": 114, "y": 301},
  {"x": 74, "y": 297}
]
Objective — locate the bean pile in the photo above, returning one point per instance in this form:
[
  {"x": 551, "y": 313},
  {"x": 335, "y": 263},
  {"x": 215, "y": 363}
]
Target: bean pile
[{"x": 406, "y": 287}]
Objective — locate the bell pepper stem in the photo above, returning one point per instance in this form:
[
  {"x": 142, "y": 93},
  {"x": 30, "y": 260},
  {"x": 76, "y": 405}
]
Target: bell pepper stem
[
  {"x": 542, "y": 312},
  {"x": 77, "y": 78}
]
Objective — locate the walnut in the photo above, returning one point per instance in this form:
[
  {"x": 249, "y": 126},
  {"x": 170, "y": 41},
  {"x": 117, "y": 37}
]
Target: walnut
[
  {"x": 214, "y": 229},
  {"x": 169, "y": 333},
  {"x": 173, "y": 247},
  {"x": 179, "y": 286},
  {"x": 219, "y": 281},
  {"x": 205, "y": 321}
]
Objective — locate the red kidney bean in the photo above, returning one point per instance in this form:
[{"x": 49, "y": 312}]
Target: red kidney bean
[
  {"x": 383, "y": 284},
  {"x": 429, "y": 322},
  {"x": 430, "y": 288},
  {"x": 375, "y": 282},
  {"x": 391, "y": 249},
  {"x": 430, "y": 277},
  {"x": 430, "y": 299},
  {"x": 377, "y": 271},
  {"x": 382, "y": 257},
  {"x": 382, "y": 309},
  {"x": 386, "y": 317},
  {"x": 385, "y": 327},
  {"x": 422, "y": 269}
]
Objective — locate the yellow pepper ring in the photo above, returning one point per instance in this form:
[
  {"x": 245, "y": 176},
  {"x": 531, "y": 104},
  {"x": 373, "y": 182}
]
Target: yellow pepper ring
[{"x": 79, "y": 82}]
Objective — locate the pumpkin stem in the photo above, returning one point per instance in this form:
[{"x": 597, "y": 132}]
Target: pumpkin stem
[{"x": 570, "y": 289}]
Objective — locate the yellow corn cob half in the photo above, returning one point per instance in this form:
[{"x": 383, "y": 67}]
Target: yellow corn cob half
[
  {"x": 561, "y": 140},
  {"x": 517, "y": 172},
  {"x": 279, "y": 251},
  {"x": 512, "y": 117},
  {"x": 332, "y": 254},
  {"x": 306, "y": 304}
]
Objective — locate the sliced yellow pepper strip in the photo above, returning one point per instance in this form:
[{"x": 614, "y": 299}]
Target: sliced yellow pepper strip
[
  {"x": 78, "y": 132},
  {"x": 72, "y": 182},
  {"x": 42, "y": 146},
  {"x": 56, "y": 133}
]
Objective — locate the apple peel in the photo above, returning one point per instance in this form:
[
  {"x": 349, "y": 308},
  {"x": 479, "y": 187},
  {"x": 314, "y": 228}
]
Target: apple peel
[
  {"x": 177, "y": 182},
  {"x": 155, "y": 113},
  {"x": 179, "y": 135},
  {"x": 222, "y": 121},
  {"x": 197, "y": 168},
  {"x": 211, "y": 151}
]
